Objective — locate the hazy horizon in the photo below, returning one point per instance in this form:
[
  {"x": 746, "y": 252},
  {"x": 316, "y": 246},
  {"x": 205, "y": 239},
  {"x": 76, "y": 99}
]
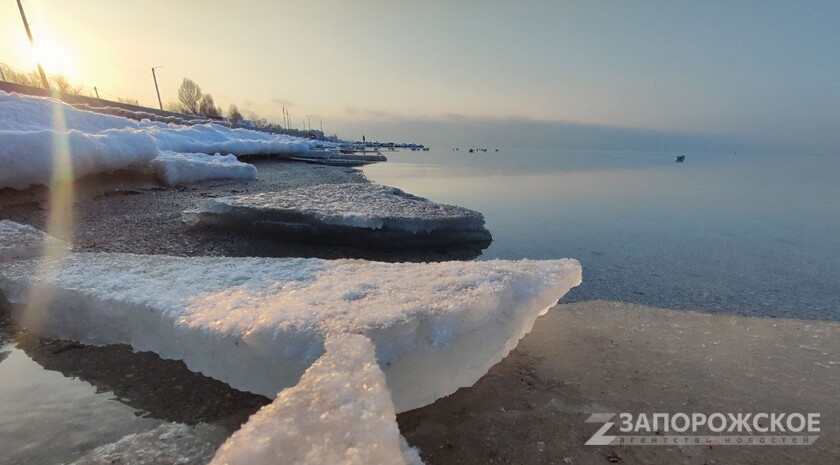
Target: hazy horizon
[{"x": 712, "y": 74}]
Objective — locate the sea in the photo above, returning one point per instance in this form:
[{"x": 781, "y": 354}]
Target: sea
[{"x": 748, "y": 234}]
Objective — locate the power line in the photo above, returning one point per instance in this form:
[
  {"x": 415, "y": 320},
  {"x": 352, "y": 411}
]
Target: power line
[{"x": 119, "y": 65}]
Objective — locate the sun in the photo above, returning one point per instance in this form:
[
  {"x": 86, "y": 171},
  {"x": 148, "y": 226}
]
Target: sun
[{"x": 55, "y": 57}]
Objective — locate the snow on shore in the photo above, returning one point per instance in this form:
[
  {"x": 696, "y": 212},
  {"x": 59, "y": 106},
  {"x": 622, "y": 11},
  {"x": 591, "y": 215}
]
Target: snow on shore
[
  {"x": 35, "y": 132},
  {"x": 187, "y": 168}
]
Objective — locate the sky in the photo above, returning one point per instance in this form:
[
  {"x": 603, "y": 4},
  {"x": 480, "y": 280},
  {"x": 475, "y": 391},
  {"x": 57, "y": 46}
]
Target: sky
[{"x": 762, "y": 74}]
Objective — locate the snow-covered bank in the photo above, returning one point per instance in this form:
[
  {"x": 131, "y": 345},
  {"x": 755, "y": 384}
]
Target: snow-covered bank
[
  {"x": 37, "y": 133},
  {"x": 32, "y": 157}
]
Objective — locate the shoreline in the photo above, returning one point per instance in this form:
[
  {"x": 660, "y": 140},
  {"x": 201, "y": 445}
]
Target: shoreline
[{"x": 582, "y": 357}]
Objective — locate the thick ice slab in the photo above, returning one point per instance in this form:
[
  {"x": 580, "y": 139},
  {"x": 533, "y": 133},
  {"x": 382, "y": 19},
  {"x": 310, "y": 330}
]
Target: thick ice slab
[
  {"x": 188, "y": 168},
  {"x": 356, "y": 214},
  {"x": 259, "y": 323},
  {"x": 339, "y": 413}
]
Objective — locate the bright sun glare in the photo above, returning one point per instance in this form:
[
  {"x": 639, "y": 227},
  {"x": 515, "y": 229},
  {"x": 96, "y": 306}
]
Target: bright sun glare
[{"x": 55, "y": 57}]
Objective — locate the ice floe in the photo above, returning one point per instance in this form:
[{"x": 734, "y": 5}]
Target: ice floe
[
  {"x": 259, "y": 323},
  {"x": 355, "y": 214},
  {"x": 343, "y": 345}
]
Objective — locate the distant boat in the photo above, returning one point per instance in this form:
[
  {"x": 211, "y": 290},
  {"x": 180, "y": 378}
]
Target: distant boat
[{"x": 680, "y": 158}]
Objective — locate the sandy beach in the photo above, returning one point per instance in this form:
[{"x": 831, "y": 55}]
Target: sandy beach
[{"x": 583, "y": 357}]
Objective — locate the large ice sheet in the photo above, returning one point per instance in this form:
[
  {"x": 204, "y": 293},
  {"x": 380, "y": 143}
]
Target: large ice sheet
[
  {"x": 357, "y": 214},
  {"x": 259, "y": 323},
  {"x": 340, "y": 413},
  {"x": 35, "y": 132},
  {"x": 188, "y": 168}
]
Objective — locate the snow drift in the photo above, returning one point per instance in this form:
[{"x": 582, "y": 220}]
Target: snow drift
[{"x": 187, "y": 168}]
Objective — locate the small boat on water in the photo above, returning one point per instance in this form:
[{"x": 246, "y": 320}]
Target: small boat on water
[{"x": 680, "y": 158}]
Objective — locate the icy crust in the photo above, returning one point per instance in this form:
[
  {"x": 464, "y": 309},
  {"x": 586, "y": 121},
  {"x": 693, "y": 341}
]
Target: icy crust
[
  {"x": 36, "y": 132},
  {"x": 339, "y": 413},
  {"x": 345, "y": 213},
  {"x": 258, "y": 323},
  {"x": 23, "y": 241},
  {"x": 187, "y": 168}
]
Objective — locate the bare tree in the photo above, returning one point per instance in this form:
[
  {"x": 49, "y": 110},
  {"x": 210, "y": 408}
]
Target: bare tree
[
  {"x": 207, "y": 107},
  {"x": 189, "y": 95},
  {"x": 31, "y": 79},
  {"x": 233, "y": 113},
  {"x": 61, "y": 83},
  {"x": 259, "y": 121},
  {"x": 130, "y": 101}
]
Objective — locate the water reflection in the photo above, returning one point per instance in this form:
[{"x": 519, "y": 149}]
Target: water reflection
[
  {"x": 744, "y": 234},
  {"x": 47, "y": 418}
]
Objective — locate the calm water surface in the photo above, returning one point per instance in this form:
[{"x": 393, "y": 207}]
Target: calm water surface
[{"x": 747, "y": 234}]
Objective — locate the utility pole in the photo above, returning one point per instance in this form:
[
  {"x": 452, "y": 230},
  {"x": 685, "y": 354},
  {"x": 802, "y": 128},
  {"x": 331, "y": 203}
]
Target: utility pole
[
  {"x": 96, "y": 90},
  {"x": 32, "y": 43},
  {"x": 156, "y": 86}
]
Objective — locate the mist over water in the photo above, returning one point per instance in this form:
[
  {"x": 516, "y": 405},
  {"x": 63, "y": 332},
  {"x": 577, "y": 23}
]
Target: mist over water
[{"x": 748, "y": 234}]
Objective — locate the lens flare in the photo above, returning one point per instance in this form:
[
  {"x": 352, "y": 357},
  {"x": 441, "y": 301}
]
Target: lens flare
[{"x": 59, "y": 223}]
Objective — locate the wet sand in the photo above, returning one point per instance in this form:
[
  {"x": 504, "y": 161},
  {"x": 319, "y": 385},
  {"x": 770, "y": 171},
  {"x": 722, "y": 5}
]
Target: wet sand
[
  {"x": 603, "y": 356},
  {"x": 581, "y": 358}
]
